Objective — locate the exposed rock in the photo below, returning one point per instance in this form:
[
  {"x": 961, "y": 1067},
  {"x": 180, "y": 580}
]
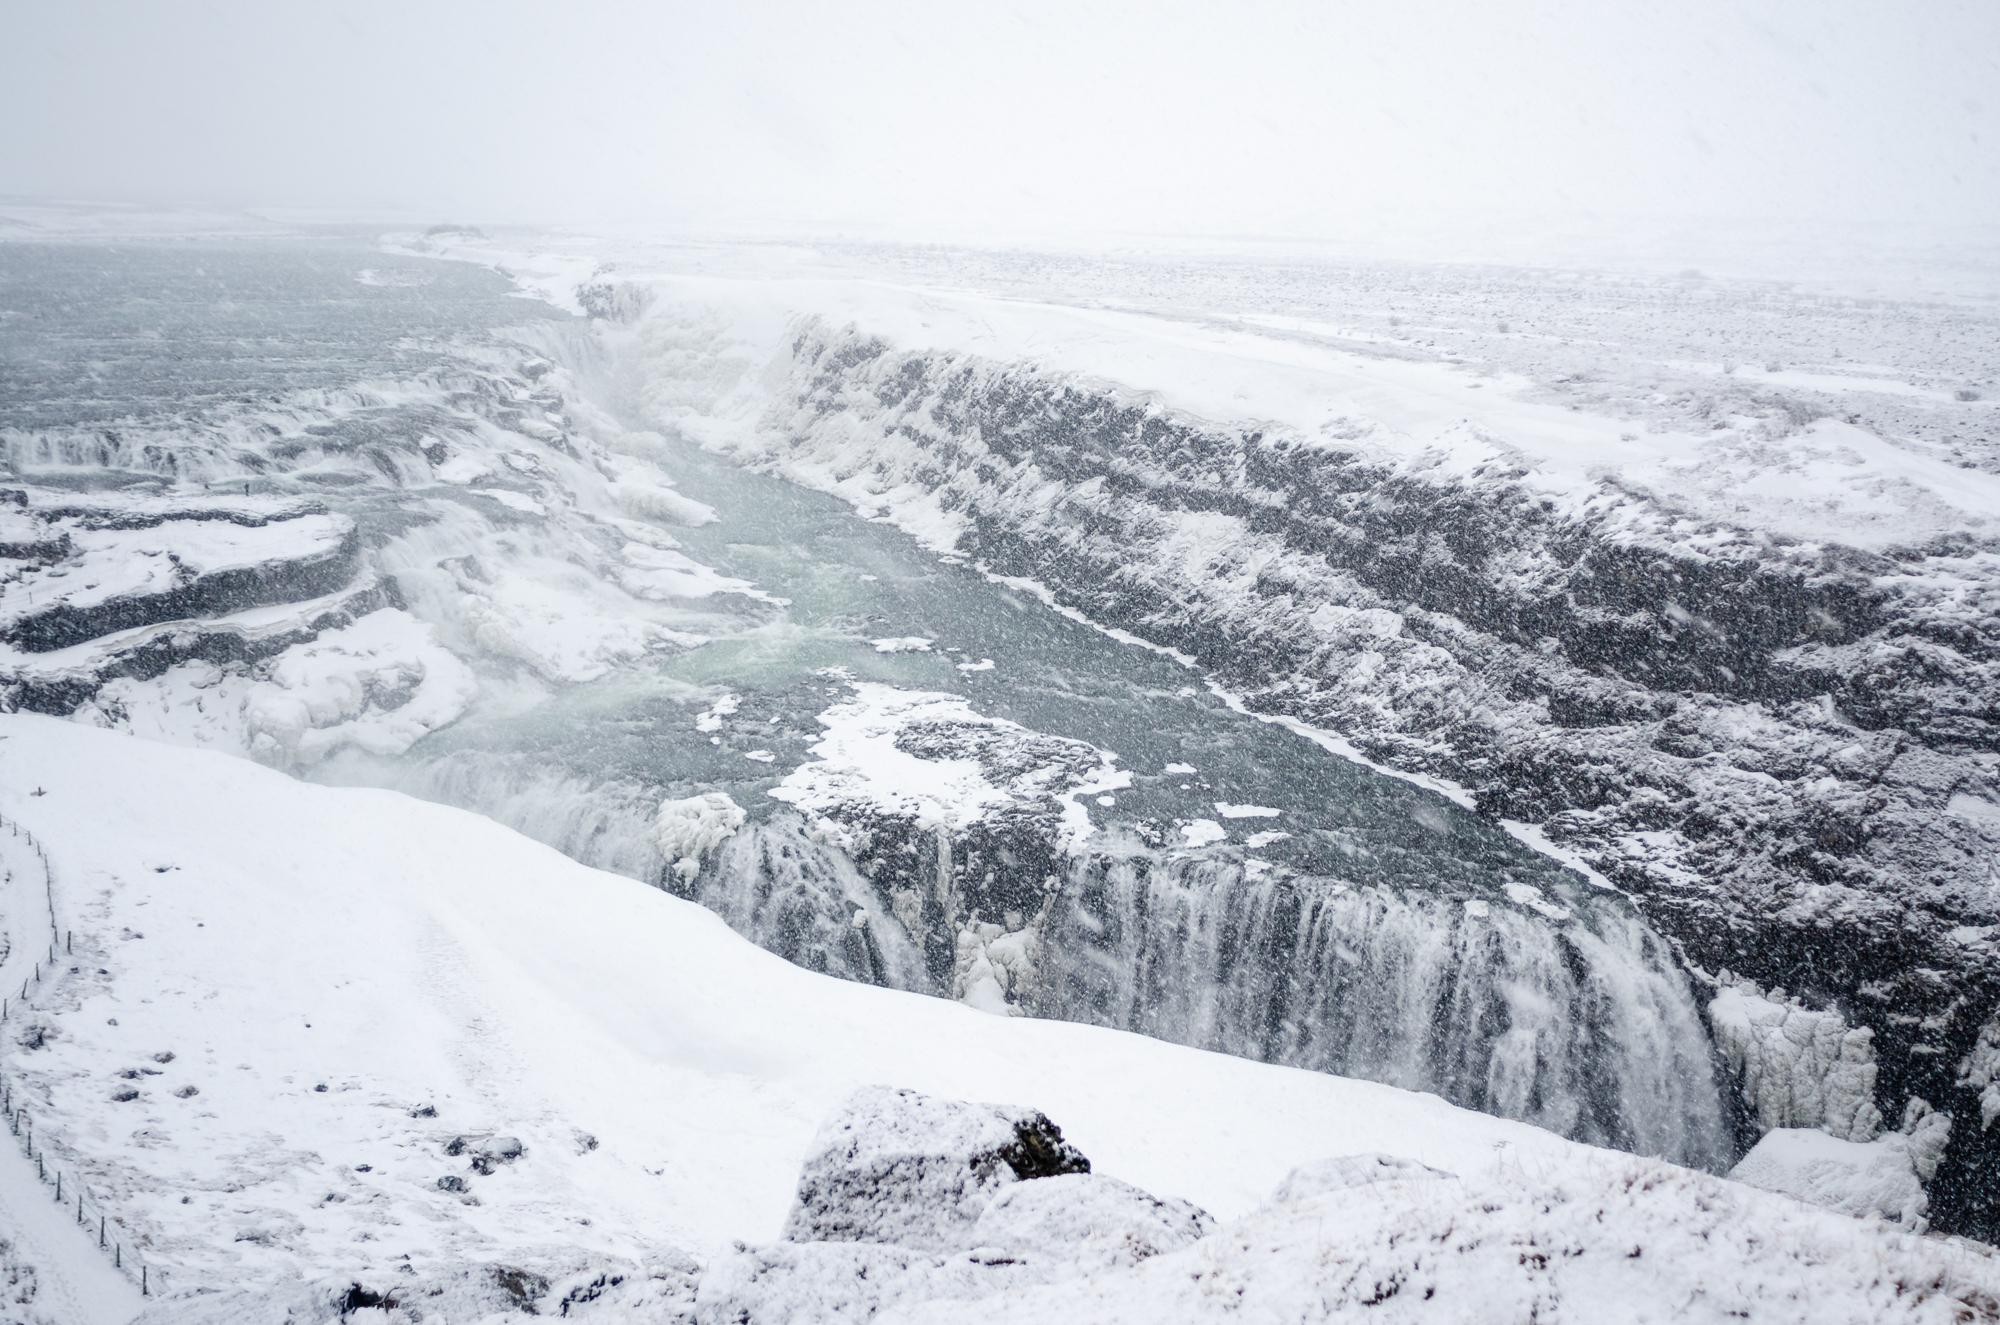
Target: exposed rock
[{"x": 1980, "y": 1070}]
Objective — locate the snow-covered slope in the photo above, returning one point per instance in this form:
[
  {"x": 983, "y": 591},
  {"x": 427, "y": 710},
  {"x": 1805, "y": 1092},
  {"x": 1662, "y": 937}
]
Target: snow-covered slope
[
  {"x": 325, "y": 964},
  {"x": 291, "y": 1011}
]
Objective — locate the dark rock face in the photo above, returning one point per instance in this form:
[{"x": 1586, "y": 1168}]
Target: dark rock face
[
  {"x": 1790, "y": 752},
  {"x": 896, "y": 1166}
]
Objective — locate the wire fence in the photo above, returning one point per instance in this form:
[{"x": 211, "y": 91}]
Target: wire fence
[{"x": 17, "y": 1007}]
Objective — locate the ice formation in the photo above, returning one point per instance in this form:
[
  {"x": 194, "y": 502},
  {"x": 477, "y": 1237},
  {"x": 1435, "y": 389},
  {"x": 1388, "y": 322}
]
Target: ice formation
[
  {"x": 1797, "y": 1067},
  {"x": 1980, "y": 1071},
  {"x": 1852, "y": 1177},
  {"x": 686, "y": 830}
]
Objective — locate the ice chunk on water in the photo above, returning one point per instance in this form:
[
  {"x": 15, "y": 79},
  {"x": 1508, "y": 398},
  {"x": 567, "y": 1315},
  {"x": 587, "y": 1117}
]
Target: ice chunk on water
[
  {"x": 1200, "y": 832},
  {"x": 1228, "y": 811}
]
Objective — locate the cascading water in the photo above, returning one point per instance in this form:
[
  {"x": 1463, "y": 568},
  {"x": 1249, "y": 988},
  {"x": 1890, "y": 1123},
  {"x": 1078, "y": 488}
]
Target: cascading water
[
  {"x": 792, "y": 895},
  {"x": 1583, "y": 1026}
]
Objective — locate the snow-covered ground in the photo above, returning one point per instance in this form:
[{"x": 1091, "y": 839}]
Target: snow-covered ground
[{"x": 330, "y": 1034}]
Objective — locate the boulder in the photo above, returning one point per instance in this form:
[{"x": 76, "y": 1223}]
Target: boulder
[
  {"x": 894, "y": 1166},
  {"x": 1087, "y": 1218}
]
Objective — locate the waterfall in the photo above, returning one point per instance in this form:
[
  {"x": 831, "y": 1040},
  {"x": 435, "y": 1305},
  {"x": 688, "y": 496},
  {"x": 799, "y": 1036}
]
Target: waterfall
[
  {"x": 1584, "y": 1027},
  {"x": 789, "y": 893}
]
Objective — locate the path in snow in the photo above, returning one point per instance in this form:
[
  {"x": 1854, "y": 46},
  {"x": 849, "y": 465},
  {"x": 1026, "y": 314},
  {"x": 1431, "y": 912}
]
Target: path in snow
[{"x": 75, "y": 1283}]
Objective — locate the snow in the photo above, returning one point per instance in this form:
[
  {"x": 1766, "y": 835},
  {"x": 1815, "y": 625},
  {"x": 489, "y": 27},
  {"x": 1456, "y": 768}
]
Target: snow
[
  {"x": 647, "y": 491},
  {"x": 549, "y": 616},
  {"x": 462, "y": 469},
  {"x": 686, "y": 830},
  {"x": 1342, "y": 1172},
  {"x": 907, "y": 1199},
  {"x": 1229, "y": 811},
  {"x": 861, "y": 763},
  {"x": 903, "y": 644},
  {"x": 710, "y": 719},
  {"x": 515, "y": 501},
  {"x": 1852, "y": 1177},
  {"x": 898, "y": 1166},
  {"x": 661, "y": 573},
  {"x": 385, "y": 681},
  {"x": 1623, "y": 1241},
  {"x": 1829, "y": 481},
  {"x": 1528, "y": 895},
  {"x": 278, "y": 936},
  {"x": 74, "y": 1283},
  {"x": 1798, "y": 1067},
  {"x": 1198, "y": 833},
  {"x": 378, "y": 685},
  {"x": 108, "y": 564}
]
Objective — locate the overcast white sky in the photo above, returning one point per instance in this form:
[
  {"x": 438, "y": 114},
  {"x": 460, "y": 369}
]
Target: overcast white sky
[{"x": 1294, "y": 119}]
